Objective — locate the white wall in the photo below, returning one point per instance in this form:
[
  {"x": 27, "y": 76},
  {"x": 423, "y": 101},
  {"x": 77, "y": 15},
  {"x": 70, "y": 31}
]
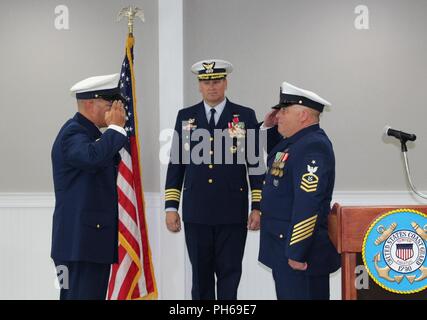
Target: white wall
[
  {"x": 372, "y": 77},
  {"x": 39, "y": 64}
]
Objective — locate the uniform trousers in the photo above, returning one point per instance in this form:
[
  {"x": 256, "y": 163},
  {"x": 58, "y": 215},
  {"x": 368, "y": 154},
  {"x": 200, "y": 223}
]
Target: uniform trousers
[
  {"x": 83, "y": 280},
  {"x": 215, "y": 250},
  {"x": 297, "y": 285}
]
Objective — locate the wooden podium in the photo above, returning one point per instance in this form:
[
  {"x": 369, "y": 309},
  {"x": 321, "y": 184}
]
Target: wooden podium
[{"x": 347, "y": 228}]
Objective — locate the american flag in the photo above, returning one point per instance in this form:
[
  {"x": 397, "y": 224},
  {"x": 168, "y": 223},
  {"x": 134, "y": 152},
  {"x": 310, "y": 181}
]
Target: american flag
[{"x": 133, "y": 276}]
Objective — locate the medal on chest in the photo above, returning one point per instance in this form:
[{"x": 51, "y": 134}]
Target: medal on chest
[
  {"x": 277, "y": 168},
  {"x": 236, "y": 128}
]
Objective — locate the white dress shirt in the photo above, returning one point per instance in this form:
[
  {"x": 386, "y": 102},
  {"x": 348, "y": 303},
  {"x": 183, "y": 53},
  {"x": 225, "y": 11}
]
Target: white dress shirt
[{"x": 219, "y": 108}]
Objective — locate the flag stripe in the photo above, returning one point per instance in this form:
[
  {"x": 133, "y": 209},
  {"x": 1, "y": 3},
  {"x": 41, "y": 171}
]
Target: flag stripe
[
  {"x": 126, "y": 173},
  {"x": 127, "y": 213},
  {"x": 126, "y": 159},
  {"x": 130, "y": 225},
  {"x": 121, "y": 274}
]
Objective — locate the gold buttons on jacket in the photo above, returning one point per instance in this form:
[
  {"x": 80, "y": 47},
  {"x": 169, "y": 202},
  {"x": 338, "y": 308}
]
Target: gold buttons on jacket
[
  {"x": 98, "y": 226},
  {"x": 281, "y": 236},
  {"x": 210, "y": 139},
  {"x": 211, "y": 152},
  {"x": 210, "y": 181},
  {"x": 241, "y": 189},
  {"x": 210, "y": 166}
]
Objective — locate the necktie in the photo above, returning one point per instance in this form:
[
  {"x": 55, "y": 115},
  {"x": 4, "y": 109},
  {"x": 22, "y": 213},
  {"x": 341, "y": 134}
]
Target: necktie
[{"x": 212, "y": 119}]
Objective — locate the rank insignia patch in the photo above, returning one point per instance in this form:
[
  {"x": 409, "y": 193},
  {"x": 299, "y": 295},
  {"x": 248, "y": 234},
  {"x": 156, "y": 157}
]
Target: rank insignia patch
[
  {"x": 310, "y": 181},
  {"x": 394, "y": 251}
]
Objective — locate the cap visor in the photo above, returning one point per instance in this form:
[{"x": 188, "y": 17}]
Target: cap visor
[
  {"x": 279, "y": 106},
  {"x": 112, "y": 98}
]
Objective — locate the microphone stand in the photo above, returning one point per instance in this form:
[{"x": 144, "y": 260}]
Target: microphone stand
[{"x": 408, "y": 171}]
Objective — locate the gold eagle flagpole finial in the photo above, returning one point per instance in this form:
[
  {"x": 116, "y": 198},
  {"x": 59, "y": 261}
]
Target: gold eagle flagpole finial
[{"x": 131, "y": 12}]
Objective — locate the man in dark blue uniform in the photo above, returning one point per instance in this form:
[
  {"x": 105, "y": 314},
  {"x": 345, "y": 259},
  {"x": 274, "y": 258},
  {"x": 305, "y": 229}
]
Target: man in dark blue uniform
[
  {"x": 296, "y": 198},
  {"x": 214, "y": 182},
  {"x": 84, "y": 160}
]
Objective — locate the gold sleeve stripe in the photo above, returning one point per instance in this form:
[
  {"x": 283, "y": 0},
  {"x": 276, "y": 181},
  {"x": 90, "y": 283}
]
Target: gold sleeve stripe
[
  {"x": 172, "y": 197},
  {"x": 305, "y": 225},
  {"x": 311, "y": 219},
  {"x": 296, "y": 234},
  {"x": 300, "y": 239},
  {"x": 172, "y": 191},
  {"x": 301, "y": 234},
  {"x": 309, "y": 227},
  {"x": 168, "y": 190},
  {"x": 173, "y": 194}
]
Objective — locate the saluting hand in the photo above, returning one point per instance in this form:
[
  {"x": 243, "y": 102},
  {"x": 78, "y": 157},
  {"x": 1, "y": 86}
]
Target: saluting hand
[
  {"x": 270, "y": 119},
  {"x": 173, "y": 221},
  {"x": 116, "y": 115}
]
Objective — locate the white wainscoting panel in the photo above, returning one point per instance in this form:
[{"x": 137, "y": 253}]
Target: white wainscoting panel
[
  {"x": 27, "y": 272},
  {"x": 26, "y": 269}
]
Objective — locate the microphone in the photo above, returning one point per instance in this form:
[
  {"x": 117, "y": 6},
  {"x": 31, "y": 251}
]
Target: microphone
[{"x": 402, "y": 136}]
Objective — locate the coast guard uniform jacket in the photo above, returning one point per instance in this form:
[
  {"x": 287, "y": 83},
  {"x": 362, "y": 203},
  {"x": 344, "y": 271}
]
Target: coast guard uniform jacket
[
  {"x": 85, "y": 221},
  {"x": 296, "y": 204},
  {"x": 213, "y": 194}
]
